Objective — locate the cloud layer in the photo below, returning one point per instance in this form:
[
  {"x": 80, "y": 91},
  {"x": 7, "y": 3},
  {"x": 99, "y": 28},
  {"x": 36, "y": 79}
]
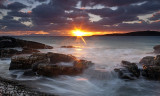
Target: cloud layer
[{"x": 58, "y": 17}]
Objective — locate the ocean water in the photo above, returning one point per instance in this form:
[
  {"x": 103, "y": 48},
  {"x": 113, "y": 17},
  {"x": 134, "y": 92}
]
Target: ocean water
[{"x": 100, "y": 80}]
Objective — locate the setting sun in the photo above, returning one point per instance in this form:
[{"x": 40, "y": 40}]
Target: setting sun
[{"x": 78, "y": 33}]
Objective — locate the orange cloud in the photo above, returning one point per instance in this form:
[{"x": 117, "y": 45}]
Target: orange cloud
[
  {"x": 29, "y": 12},
  {"x": 41, "y": 32}
]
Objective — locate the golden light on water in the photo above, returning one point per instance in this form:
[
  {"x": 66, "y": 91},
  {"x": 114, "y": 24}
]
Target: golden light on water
[{"x": 81, "y": 79}]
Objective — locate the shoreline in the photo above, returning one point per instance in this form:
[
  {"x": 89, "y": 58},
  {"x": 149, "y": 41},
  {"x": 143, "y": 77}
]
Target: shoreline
[{"x": 15, "y": 88}]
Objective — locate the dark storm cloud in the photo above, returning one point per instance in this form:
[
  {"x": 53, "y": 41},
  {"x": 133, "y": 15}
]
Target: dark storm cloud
[
  {"x": 124, "y": 13},
  {"x": 41, "y": 0},
  {"x": 138, "y": 26},
  {"x": 18, "y": 14},
  {"x": 135, "y": 10},
  {"x": 1, "y": 4},
  {"x": 7, "y": 24},
  {"x": 64, "y": 4},
  {"x": 16, "y": 6},
  {"x": 45, "y": 14},
  {"x": 7, "y": 17},
  {"x": 117, "y": 19},
  {"x": 107, "y": 12},
  {"x": 109, "y": 2},
  {"x": 64, "y": 14},
  {"x": 77, "y": 14},
  {"x": 47, "y": 11}
]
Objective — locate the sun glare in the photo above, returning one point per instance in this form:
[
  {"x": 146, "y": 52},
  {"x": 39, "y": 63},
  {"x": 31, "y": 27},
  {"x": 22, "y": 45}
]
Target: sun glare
[{"x": 78, "y": 33}]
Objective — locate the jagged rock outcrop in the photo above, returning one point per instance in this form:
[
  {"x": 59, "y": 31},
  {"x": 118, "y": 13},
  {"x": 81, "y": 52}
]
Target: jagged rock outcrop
[
  {"x": 128, "y": 71},
  {"x": 50, "y": 64},
  {"x": 28, "y": 47},
  {"x": 151, "y": 68},
  {"x": 10, "y": 42},
  {"x": 148, "y": 60},
  {"x": 156, "y": 49},
  {"x": 6, "y": 53}
]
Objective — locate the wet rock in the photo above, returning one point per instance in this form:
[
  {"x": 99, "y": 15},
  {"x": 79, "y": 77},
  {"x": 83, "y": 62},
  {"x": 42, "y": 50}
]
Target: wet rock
[
  {"x": 29, "y": 51},
  {"x": 148, "y": 60},
  {"x": 129, "y": 71},
  {"x": 56, "y": 58},
  {"x": 151, "y": 72},
  {"x": 54, "y": 70},
  {"x": 125, "y": 74},
  {"x": 82, "y": 64},
  {"x": 9, "y": 42},
  {"x": 156, "y": 49},
  {"x": 49, "y": 64},
  {"x": 132, "y": 67},
  {"x": 32, "y": 45},
  {"x": 21, "y": 62},
  {"x": 35, "y": 65},
  {"x": 7, "y": 53},
  {"x": 26, "y": 62},
  {"x": 151, "y": 69},
  {"x": 157, "y": 60},
  {"x": 29, "y": 73},
  {"x": 68, "y": 47}
]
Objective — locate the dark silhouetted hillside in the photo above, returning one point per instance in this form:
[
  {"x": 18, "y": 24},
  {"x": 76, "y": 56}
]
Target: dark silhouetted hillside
[{"x": 138, "y": 33}]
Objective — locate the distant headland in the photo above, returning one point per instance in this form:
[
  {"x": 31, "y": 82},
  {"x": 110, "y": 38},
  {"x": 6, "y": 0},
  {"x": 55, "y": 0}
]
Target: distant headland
[{"x": 137, "y": 33}]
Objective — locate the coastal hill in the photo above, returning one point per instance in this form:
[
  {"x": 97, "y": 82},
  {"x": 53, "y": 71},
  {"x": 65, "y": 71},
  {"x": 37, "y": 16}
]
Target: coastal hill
[{"x": 138, "y": 33}]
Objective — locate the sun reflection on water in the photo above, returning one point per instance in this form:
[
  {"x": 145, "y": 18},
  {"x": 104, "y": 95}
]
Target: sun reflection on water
[{"x": 81, "y": 79}]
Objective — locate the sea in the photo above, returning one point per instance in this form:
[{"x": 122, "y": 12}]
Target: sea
[{"x": 106, "y": 52}]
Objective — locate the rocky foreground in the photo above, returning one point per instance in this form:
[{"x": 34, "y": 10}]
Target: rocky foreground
[
  {"x": 56, "y": 64},
  {"x": 150, "y": 70},
  {"x": 36, "y": 63}
]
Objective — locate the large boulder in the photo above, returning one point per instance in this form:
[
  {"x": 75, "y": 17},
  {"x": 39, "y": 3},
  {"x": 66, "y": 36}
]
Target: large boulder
[
  {"x": 54, "y": 70},
  {"x": 82, "y": 64},
  {"x": 9, "y": 42},
  {"x": 50, "y": 64},
  {"x": 26, "y": 62},
  {"x": 128, "y": 71},
  {"x": 56, "y": 58},
  {"x": 29, "y": 51},
  {"x": 32, "y": 44},
  {"x": 132, "y": 67},
  {"x": 151, "y": 72},
  {"x": 148, "y": 60},
  {"x": 151, "y": 67},
  {"x": 156, "y": 49},
  {"x": 7, "y": 53},
  {"x": 157, "y": 60}
]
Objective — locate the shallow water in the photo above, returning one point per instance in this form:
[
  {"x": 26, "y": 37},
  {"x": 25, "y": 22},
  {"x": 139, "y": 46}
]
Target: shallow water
[{"x": 100, "y": 80}]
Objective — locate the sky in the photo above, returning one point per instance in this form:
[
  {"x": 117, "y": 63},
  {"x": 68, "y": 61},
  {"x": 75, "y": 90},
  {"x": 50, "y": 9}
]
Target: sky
[{"x": 61, "y": 17}]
